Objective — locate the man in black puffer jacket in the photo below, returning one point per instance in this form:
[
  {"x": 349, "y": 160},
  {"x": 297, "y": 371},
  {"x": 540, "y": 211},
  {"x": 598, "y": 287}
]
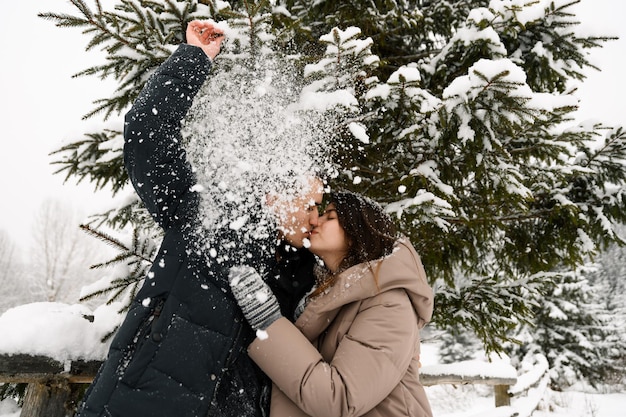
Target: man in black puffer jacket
[{"x": 181, "y": 350}]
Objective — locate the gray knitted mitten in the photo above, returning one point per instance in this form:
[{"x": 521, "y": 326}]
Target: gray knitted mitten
[{"x": 257, "y": 301}]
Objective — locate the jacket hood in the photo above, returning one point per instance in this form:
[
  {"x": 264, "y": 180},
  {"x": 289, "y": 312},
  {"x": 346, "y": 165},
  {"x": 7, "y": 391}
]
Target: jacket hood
[{"x": 401, "y": 269}]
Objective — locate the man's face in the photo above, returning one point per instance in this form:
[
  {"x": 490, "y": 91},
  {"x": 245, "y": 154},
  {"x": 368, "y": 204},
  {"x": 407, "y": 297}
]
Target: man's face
[{"x": 298, "y": 215}]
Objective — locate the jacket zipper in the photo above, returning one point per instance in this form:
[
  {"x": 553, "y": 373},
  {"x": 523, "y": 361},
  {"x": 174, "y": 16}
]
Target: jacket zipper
[{"x": 142, "y": 333}]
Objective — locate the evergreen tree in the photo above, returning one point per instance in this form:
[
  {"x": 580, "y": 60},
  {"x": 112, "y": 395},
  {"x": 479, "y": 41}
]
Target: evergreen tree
[
  {"x": 456, "y": 344},
  {"x": 456, "y": 115},
  {"x": 576, "y": 333},
  {"x": 609, "y": 279}
]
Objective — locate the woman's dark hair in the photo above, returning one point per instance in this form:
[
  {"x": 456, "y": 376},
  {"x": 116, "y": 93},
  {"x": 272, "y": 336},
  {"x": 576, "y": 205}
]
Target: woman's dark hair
[{"x": 371, "y": 232}]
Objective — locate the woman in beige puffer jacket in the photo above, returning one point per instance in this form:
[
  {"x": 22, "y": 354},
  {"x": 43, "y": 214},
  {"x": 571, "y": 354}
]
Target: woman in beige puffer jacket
[{"x": 354, "y": 349}]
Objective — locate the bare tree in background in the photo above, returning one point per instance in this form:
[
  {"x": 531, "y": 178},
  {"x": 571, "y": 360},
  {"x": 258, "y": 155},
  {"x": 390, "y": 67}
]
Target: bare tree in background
[
  {"x": 7, "y": 254},
  {"x": 12, "y": 277},
  {"x": 61, "y": 253}
]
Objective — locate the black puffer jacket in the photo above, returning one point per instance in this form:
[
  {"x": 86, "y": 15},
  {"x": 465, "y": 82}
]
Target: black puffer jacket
[{"x": 180, "y": 352}]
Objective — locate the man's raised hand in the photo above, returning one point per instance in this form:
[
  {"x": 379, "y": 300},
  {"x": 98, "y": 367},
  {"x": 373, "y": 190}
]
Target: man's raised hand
[{"x": 206, "y": 36}]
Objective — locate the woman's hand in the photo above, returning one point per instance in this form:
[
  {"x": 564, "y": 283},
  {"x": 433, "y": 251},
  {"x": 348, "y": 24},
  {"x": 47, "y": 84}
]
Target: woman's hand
[
  {"x": 254, "y": 296},
  {"x": 205, "y": 36}
]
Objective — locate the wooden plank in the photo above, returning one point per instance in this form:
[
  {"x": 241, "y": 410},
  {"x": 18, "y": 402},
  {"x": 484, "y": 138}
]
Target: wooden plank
[
  {"x": 429, "y": 379},
  {"x": 83, "y": 372},
  {"x": 28, "y": 368},
  {"x": 28, "y": 364}
]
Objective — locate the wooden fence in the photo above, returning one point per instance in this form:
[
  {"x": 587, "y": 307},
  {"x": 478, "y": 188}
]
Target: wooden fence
[
  {"x": 528, "y": 387},
  {"x": 448, "y": 374},
  {"x": 52, "y": 385}
]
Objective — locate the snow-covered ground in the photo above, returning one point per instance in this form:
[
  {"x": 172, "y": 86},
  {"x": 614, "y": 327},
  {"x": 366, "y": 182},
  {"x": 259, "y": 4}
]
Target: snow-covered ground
[
  {"x": 477, "y": 401},
  {"x": 68, "y": 332}
]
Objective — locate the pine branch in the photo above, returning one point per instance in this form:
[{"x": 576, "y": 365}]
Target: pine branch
[
  {"x": 139, "y": 255},
  {"x": 104, "y": 237},
  {"x": 612, "y": 151},
  {"x": 109, "y": 335},
  {"x": 88, "y": 158}
]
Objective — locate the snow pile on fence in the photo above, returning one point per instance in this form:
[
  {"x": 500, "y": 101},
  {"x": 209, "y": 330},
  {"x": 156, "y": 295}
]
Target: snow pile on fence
[{"x": 59, "y": 331}]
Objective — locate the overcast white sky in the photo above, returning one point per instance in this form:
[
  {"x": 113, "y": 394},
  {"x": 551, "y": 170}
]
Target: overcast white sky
[
  {"x": 40, "y": 108},
  {"x": 41, "y": 105}
]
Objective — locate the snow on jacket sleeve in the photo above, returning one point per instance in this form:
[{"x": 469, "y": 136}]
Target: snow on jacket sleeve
[
  {"x": 153, "y": 154},
  {"x": 369, "y": 362}
]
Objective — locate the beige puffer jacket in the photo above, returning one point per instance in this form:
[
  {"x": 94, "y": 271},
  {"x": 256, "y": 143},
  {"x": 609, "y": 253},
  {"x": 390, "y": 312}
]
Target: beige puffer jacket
[{"x": 354, "y": 350}]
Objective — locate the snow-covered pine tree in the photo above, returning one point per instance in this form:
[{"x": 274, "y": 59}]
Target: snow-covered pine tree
[
  {"x": 579, "y": 336},
  {"x": 608, "y": 279},
  {"x": 460, "y": 123},
  {"x": 466, "y": 143},
  {"x": 456, "y": 344}
]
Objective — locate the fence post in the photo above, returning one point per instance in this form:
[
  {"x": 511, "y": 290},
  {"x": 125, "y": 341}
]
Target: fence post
[
  {"x": 46, "y": 398},
  {"x": 501, "y": 393}
]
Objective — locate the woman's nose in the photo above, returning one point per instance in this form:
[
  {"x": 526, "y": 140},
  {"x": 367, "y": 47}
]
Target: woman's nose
[{"x": 314, "y": 218}]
